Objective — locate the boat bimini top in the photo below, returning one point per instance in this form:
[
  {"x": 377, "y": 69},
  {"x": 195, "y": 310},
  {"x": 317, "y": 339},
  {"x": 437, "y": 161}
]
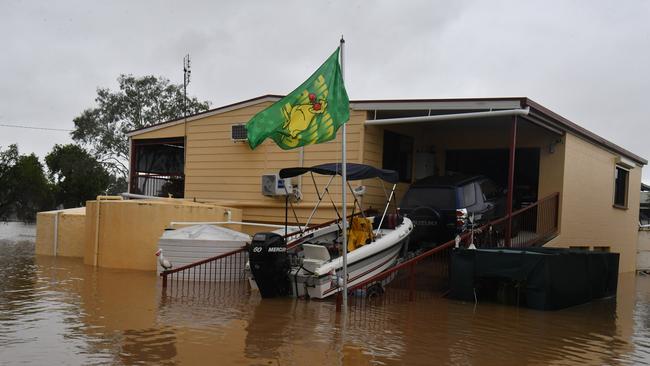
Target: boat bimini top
[{"x": 354, "y": 171}]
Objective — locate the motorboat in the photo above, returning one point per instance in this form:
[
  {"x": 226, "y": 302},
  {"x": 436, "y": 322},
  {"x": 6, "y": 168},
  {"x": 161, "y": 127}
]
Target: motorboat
[{"x": 309, "y": 262}]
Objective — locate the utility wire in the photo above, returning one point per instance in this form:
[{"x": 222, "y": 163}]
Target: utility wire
[{"x": 36, "y": 128}]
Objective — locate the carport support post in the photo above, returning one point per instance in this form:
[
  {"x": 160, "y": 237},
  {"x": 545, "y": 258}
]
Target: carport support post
[{"x": 511, "y": 179}]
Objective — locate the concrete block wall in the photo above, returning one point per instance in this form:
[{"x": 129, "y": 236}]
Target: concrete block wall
[
  {"x": 126, "y": 233},
  {"x": 61, "y": 232}
]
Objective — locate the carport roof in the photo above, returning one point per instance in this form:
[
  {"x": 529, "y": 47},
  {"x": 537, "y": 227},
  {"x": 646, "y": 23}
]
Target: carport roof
[{"x": 540, "y": 114}]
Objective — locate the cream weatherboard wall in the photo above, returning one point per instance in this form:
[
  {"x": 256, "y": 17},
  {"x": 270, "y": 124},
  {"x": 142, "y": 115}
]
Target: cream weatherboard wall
[
  {"x": 588, "y": 216},
  {"x": 227, "y": 172}
]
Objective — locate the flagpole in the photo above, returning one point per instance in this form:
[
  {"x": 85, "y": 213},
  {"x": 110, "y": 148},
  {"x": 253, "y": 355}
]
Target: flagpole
[{"x": 344, "y": 179}]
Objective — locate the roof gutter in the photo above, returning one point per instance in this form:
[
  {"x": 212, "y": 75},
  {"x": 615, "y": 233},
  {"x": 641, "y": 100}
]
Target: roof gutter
[{"x": 447, "y": 117}]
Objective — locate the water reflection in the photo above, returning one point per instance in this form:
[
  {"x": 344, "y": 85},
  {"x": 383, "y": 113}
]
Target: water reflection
[{"x": 57, "y": 310}]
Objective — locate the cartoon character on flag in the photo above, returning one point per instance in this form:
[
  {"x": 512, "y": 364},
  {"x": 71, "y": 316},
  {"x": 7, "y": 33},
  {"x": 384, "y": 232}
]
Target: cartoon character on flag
[{"x": 310, "y": 114}]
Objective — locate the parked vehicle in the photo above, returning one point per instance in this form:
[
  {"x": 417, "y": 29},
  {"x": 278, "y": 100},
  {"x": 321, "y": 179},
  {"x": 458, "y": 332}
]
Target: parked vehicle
[{"x": 440, "y": 207}]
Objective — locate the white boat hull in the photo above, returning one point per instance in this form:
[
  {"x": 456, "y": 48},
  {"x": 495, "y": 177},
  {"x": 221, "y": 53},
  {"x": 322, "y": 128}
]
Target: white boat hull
[
  {"x": 327, "y": 285},
  {"x": 363, "y": 263}
]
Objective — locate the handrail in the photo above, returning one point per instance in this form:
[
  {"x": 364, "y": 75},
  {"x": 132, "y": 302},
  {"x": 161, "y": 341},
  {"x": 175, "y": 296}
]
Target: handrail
[
  {"x": 450, "y": 243},
  {"x": 408, "y": 262},
  {"x": 203, "y": 261},
  {"x": 517, "y": 212}
]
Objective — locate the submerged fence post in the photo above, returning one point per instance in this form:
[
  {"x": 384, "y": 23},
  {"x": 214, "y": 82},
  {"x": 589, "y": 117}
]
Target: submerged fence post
[
  {"x": 339, "y": 301},
  {"x": 412, "y": 281},
  {"x": 164, "y": 278}
]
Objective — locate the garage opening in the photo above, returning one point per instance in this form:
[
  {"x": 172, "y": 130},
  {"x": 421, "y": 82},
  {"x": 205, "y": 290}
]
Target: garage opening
[{"x": 493, "y": 163}]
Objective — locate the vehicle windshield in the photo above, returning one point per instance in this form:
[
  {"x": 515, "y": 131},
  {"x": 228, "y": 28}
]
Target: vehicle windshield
[{"x": 434, "y": 197}]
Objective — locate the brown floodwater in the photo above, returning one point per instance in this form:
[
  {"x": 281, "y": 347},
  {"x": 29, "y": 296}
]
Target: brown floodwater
[{"x": 59, "y": 311}]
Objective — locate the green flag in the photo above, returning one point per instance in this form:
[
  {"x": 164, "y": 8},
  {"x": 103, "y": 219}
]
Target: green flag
[{"x": 311, "y": 114}]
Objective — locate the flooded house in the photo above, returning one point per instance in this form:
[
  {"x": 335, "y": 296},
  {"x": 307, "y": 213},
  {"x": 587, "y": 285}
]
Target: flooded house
[
  {"x": 575, "y": 183},
  {"x": 643, "y": 256}
]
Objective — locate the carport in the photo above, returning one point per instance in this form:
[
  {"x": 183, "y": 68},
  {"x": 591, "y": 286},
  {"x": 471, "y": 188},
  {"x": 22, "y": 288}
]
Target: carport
[{"x": 514, "y": 145}]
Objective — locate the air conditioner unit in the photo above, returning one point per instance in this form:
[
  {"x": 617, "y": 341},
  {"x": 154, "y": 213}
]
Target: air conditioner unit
[
  {"x": 273, "y": 185},
  {"x": 238, "y": 133}
]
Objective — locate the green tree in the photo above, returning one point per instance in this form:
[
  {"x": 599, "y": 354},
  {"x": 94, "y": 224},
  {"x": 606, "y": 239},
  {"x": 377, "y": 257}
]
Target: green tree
[
  {"x": 8, "y": 159},
  {"x": 77, "y": 175},
  {"x": 32, "y": 191},
  {"x": 25, "y": 189},
  {"x": 139, "y": 102}
]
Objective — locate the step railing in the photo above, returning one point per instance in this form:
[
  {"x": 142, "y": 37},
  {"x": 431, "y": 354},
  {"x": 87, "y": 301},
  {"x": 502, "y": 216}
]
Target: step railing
[
  {"x": 227, "y": 267},
  {"x": 426, "y": 275},
  {"x": 533, "y": 225}
]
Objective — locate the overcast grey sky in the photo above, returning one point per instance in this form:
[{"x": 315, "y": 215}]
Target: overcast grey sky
[{"x": 586, "y": 60}]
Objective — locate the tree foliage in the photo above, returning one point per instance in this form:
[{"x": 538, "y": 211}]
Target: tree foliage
[
  {"x": 25, "y": 189},
  {"x": 8, "y": 159},
  {"x": 33, "y": 192},
  {"x": 139, "y": 102},
  {"x": 77, "y": 175}
]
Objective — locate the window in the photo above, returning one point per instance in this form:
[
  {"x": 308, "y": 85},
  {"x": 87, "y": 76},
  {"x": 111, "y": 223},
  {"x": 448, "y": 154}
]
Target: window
[
  {"x": 620, "y": 187},
  {"x": 490, "y": 190},
  {"x": 469, "y": 195},
  {"x": 398, "y": 154},
  {"x": 644, "y": 217}
]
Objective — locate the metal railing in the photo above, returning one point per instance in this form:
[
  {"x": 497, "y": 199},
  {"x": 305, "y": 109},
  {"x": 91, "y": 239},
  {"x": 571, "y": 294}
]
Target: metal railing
[
  {"x": 532, "y": 225},
  {"x": 227, "y": 267},
  {"x": 426, "y": 275},
  {"x": 158, "y": 185},
  {"x": 423, "y": 275}
]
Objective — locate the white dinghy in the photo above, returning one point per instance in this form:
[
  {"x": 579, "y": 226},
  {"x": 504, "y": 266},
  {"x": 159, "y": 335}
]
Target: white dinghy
[
  {"x": 308, "y": 262},
  {"x": 190, "y": 244}
]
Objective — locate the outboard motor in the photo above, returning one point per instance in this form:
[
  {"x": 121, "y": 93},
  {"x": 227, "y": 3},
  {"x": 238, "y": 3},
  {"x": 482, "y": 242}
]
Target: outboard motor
[{"x": 270, "y": 264}]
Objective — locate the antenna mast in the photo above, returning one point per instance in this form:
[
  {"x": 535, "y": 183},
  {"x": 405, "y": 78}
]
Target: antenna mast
[{"x": 186, "y": 80}]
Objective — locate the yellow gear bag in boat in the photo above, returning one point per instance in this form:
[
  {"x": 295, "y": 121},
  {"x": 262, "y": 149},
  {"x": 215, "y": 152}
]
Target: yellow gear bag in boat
[{"x": 360, "y": 233}]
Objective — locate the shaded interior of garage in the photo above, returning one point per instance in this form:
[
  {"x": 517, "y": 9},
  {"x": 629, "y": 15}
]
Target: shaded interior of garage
[
  {"x": 157, "y": 167},
  {"x": 473, "y": 147}
]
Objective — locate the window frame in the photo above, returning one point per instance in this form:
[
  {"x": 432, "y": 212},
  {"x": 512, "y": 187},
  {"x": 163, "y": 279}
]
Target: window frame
[{"x": 626, "y": 187}]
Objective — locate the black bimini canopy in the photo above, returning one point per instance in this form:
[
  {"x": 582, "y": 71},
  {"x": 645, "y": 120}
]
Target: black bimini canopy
[{"x": 354, "y": 171}]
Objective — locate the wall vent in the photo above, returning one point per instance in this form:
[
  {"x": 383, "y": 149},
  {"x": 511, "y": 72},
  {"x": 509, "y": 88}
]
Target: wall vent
[{"x": 238, "y": 133}]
